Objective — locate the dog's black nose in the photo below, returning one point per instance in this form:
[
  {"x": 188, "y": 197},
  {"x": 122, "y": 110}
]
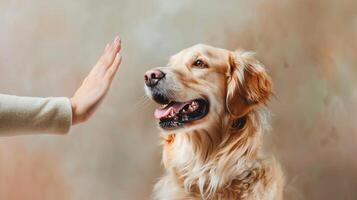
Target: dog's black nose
[{"x": 152, "y": 77}]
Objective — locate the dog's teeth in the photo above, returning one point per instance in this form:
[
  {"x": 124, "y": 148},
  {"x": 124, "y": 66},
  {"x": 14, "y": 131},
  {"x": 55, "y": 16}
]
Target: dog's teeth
[
  {"x": 172, "y": 113},
  {"x": 190, "y": 108},
  {"x": 184, "y": 118}
]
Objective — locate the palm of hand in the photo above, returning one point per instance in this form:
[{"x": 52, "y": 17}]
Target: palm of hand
[{"x": 96, "y": 85}]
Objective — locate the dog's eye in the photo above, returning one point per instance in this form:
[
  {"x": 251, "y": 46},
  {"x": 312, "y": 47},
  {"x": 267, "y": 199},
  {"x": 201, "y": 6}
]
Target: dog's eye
[{"x": 199, "y": 64}]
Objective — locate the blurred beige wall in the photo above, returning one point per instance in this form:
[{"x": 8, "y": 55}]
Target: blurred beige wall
[{"x": 47, "y": 47}]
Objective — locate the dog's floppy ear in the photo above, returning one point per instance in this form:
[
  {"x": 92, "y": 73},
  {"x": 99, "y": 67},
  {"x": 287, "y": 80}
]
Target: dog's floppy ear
[{"x": 248, "y": 83}]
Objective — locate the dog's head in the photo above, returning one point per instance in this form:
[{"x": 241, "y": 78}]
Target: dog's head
[{"x": 202, "y": 85}]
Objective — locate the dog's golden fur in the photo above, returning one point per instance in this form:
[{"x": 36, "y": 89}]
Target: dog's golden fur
[{"x": 219, "y": 157}]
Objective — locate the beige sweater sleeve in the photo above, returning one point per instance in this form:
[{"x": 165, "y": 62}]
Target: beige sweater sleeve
[{"x": 37, "y": 115}]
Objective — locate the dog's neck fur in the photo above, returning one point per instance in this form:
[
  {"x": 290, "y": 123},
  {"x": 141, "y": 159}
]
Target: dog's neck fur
[{"x": 219, "y": 162}]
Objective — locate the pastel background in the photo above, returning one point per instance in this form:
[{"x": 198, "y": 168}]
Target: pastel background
[{"x": 47, "y": 47}]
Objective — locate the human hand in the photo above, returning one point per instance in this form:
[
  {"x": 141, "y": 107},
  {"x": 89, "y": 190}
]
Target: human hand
[{"x": 96, "y": 85}]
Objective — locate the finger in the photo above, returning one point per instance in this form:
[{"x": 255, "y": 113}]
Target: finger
[
  {"x": 105, "y": 52},
  {"x": 107, "y": 47},
  {"x": 109, "y": 56},
  {"x": 110, "y": 46},
  {"x": 116, "y": 45},
  {"x": 114, "y": 67},
  {"x": 116, "y": 39}
]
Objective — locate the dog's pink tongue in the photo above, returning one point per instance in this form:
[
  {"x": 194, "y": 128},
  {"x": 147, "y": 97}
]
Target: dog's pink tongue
[{"x": 163, "y": 112}]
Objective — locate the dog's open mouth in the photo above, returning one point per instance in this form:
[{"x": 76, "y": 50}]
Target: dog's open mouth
[{"x": 177, "y": 114}]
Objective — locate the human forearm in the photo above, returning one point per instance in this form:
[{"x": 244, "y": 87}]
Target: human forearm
[{"x": 33, "y": 114}]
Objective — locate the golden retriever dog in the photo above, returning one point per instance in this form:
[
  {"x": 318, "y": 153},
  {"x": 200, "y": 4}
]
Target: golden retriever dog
[{"x": 213, "y": 116}]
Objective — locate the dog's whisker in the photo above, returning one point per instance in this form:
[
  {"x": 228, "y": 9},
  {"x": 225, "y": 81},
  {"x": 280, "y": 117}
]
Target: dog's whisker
[
  {"x": 171, "y": 94},
  {"x": 143, "y": 102}
]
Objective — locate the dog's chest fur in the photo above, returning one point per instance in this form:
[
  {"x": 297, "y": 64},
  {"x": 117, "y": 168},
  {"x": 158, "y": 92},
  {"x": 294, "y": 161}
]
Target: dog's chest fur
[{"x": 194, "y": 172}]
